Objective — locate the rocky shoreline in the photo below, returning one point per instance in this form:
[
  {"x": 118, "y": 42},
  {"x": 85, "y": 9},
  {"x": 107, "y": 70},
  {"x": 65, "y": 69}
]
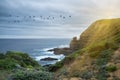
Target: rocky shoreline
[
  {"x": 67, "y": 50},
  {"x": 64, "y": 51}
]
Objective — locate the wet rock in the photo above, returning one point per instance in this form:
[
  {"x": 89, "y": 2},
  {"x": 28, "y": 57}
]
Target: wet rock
[
  {"x": 58, "y": 51},
  {"x": 48, "y": 59}
]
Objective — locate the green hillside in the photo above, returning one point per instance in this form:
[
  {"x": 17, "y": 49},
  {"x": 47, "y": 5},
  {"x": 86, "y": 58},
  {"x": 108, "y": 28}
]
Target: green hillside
[
  {"x": 97, "y": 56},
  {"x": 101, "y": 35}
]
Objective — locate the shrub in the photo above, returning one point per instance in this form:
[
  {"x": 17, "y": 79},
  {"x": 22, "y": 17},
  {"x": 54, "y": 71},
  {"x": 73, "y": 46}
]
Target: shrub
[
  {"x": 86, "y": 74},
  {"x": 56, "y": 66},
  {"x": 2, "y": 56},
  {"x": 22, "y": 58},
  {"x": 69, "y": 59},
  {"x": 111, "y": 68},
  {"x": 94, "y": 54},
  {"x": 76, "y": 74},
  {"x": 7, "y": 64},
  {"x": 32, "y": 75},
  {"x": 11, "y": 58},
  {"x": 106, "y": 53},
  {"x": 116, "y": 78},
  {"x": 101, "y": 62}
]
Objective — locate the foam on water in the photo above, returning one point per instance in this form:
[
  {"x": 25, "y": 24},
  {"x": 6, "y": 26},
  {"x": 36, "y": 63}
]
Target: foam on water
[
  {"x": 44, "y": 53},
  {"x": 59, "y": 57}
]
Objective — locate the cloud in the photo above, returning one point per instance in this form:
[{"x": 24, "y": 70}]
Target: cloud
[{"x": 83, "y": 13}]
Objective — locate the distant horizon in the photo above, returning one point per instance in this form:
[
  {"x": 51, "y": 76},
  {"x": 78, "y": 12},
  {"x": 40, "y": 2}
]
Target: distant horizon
[{"x": 35, "y": 38}]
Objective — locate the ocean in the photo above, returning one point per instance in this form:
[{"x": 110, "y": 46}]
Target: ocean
[{"x": 36, "y": 48}]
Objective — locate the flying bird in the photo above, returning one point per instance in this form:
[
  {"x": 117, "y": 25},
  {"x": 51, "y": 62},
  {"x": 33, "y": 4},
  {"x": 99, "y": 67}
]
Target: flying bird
[
  {"x": 53, "y": 18},
  {"x": 10, "y": 15},
  {"x": 70, "y": 16},
  {"x": 29, "y": 16},
  {"x": 17, "y": 16},
  {"x": 60, "y": 15},
  {"x": 47, "y": 18},
  {"x": 63, "y": 17},
  {"x": 32, "y": 18}
]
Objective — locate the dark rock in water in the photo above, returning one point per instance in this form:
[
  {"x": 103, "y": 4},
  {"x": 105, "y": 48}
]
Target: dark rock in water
[
  {"x": 50, "y": 50},
  {"x": 58, "y": 51},
  {"x": 48, "y": 59}
]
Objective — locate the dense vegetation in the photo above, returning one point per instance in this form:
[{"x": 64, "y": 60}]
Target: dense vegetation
[
  {"x": 11, "y": 60},
  {"x": 19, "y": 66},
  {"x": 31, "y": 75}
]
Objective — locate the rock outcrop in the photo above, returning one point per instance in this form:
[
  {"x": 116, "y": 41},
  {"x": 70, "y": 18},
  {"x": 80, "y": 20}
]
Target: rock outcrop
[
  {"x": 74, "y": 44},
  {"x": 49, "y": 59},
  {"x": 58, "y": 51}
]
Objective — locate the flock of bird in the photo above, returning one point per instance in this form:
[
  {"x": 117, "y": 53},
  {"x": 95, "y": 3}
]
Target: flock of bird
[{"x": 18, "y": 19}]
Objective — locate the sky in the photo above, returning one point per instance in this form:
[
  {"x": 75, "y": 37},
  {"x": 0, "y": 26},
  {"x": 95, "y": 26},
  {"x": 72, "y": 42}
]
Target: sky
[{"x": 52, "y": 18}]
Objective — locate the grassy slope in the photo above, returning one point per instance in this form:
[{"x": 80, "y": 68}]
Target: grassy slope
[
  {"x": 99, "y": 42},
  {"x": 102, "y": 31}
]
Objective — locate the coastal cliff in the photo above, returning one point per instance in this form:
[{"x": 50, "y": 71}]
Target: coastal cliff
[
  {"x": 100, "y": 32},
  {"x": 96, "y": 54}
]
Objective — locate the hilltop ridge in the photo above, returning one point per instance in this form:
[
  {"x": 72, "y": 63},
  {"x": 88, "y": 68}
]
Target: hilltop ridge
[{"x": 106, "y": 29}]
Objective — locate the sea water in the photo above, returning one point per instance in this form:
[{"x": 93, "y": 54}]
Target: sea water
[{"x": 36, "y": 48}]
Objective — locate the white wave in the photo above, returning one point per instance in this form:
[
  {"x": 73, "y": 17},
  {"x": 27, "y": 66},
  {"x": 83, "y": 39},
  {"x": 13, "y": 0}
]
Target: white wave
[
  {"x": 46, "y": 49},
  {"x": 59, "y": 57},
  {"x": 47, "y": 62},
  {"x": 60, "y": 46},
  {"x": 45, "y": 53},
  {"x": 49, "y": 52}
]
